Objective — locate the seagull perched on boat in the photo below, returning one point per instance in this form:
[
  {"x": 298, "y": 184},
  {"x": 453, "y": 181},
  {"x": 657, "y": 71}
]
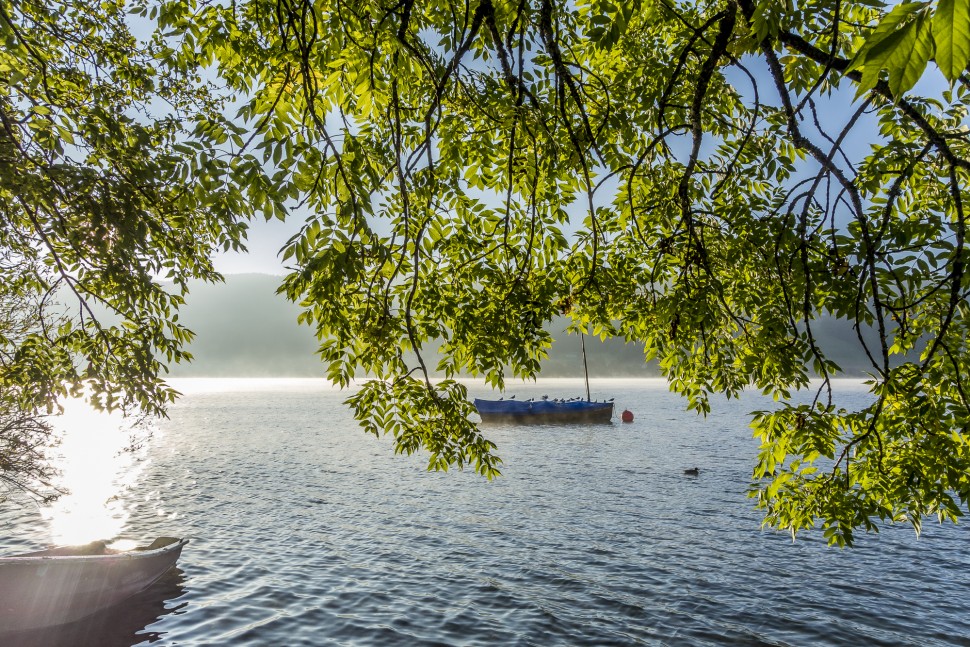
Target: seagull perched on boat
[{"x": 693, "y": 471}]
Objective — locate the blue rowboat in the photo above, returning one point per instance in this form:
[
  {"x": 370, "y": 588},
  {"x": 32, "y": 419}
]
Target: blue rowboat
[{"x": 544, "y": 411}]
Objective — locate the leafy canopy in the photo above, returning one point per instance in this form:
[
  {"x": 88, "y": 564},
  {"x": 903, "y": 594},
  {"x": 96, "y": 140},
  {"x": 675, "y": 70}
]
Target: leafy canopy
[
  {"x": 709, "y": 178},
  {"x": 114, "y": 178}
]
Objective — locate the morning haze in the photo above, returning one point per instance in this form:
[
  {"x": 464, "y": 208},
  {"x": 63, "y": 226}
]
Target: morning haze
[{"x": 244, "y": 329}]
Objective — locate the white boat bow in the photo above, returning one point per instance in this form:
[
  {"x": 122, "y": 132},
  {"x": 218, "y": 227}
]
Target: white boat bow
[{"x": 60, "y": 585}]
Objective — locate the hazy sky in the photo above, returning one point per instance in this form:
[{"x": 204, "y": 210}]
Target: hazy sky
[{"x": 264, "y": 243}]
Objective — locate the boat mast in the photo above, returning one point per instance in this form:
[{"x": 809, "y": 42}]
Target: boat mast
[{"x": 582, "y": 337}]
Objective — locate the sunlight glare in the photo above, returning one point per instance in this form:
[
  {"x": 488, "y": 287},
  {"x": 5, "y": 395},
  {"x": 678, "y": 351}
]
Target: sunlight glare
[{"x": 96, "y": 472}]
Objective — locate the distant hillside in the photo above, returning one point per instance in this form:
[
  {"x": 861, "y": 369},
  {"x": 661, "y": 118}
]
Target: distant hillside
[{"x": 243, "y": 328}]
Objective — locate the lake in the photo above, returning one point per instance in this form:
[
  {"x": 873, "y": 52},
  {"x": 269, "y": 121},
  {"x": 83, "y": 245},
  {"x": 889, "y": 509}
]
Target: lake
[{"x": 306, "y": 531}]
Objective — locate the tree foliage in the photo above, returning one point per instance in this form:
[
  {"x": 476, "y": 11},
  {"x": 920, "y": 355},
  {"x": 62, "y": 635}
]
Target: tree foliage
[
  {"x": 708, "y": 178},
  {"x": 26, "y": 438},
  {"x": 112, "y": 180}
]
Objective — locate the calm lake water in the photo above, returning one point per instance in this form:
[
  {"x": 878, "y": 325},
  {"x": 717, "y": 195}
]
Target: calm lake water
[{"x": 306, "y": 531}]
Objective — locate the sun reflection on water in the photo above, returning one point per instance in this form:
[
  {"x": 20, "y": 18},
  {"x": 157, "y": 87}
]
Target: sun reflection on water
[{"x": 96, "y": 472}]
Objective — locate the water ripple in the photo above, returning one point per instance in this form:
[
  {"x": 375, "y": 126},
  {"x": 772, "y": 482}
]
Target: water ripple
[{"x": 307, "y": 532}]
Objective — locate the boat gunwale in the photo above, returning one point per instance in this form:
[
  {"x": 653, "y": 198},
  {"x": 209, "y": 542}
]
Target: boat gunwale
[{"x": 132, "y": 554}]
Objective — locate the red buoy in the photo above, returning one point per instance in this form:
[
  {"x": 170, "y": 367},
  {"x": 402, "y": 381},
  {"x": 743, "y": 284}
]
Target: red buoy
[{"x": 627, "y": 416}]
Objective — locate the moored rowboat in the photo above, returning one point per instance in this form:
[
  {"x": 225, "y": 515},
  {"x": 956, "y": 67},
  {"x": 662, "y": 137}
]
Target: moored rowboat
[
  {"x": 544, "y": 411},
  {"x": 61, "y": 585}
]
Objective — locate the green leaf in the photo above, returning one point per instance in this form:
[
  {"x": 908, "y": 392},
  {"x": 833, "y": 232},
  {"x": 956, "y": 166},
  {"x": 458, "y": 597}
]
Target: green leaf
[
  {"x": 887, "y": 28},
  {"x": 910, "y": 56},
  {"x": 951, "y": 32}
]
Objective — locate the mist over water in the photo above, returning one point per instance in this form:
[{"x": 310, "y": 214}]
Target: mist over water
[
  {"x": 306, "y": 531},
  {"x": 244, "y": 328}
]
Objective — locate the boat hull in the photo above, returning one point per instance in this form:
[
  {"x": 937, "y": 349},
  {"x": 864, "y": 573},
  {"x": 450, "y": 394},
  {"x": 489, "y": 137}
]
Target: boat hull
[
  {"x": 544, "y": 412},
  {"x": 56, "y": 587}
]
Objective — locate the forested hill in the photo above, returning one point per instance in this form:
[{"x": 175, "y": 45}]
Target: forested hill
[{"x": 243, "y": 328}]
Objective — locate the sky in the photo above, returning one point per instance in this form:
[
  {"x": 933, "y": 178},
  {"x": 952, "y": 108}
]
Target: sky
[{"x": 265, "y": 241}]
